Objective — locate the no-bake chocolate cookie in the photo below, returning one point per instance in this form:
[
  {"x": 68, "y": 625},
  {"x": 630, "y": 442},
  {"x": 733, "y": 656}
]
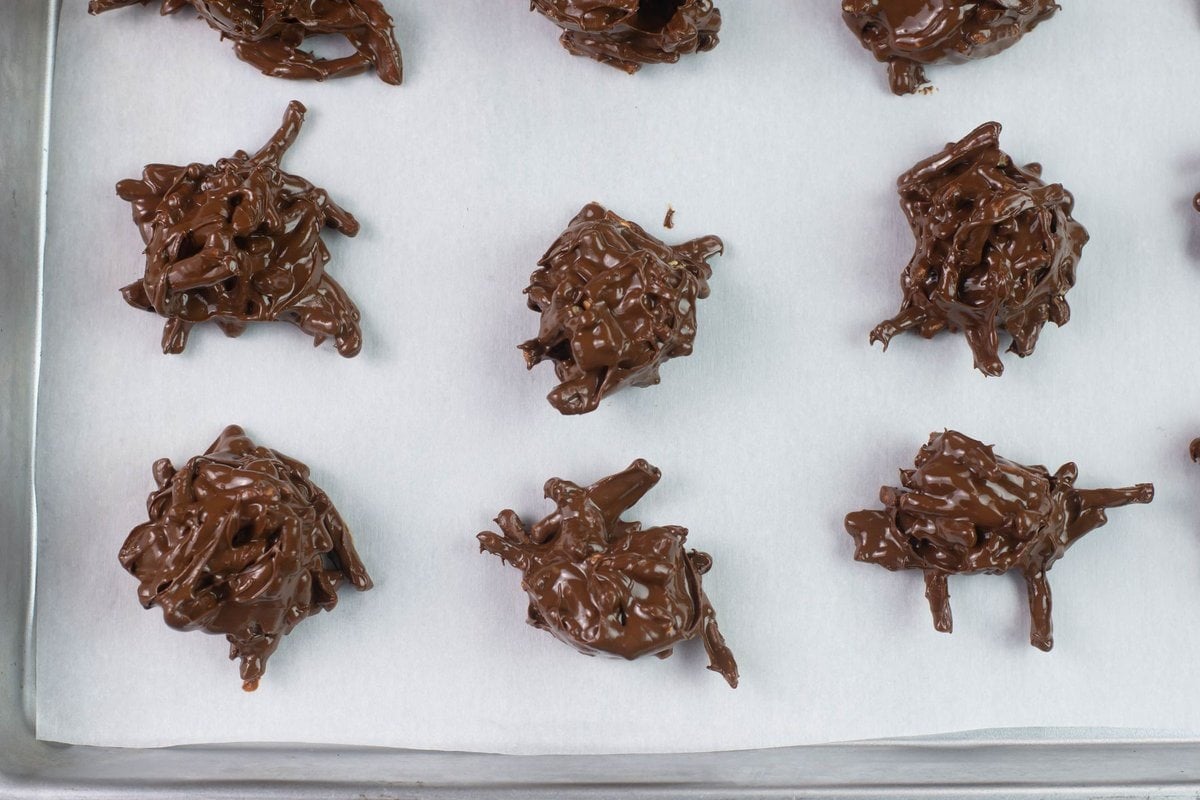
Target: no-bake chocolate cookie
[
  {"x": 239, "y": 242},
  {"x": 607, "y": 586},
  {"x": 996, "y": 249},
  {"x": 270, "y": 34},
  {"x": 240, "y": 542},
  {"x": 629, "y": 33},
  {"x": 616, "y": 303},
  {"x": 909, "y": 35},
  {"x": 964, "y": 510}
]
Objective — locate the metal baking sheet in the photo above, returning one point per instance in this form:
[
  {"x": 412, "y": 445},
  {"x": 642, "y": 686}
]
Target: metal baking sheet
[{"x": 1016, "y": 762}]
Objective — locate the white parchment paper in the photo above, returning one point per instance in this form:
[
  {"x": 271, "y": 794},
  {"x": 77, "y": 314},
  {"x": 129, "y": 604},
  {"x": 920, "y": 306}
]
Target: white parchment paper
[{"x": 784, "y": 141}]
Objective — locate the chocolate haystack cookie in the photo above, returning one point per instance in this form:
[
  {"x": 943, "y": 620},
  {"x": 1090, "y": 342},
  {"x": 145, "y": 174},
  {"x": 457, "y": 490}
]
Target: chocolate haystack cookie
[
  {"x": 240, "y": 242},
  {"x": 996, "y": 249},
  {"x": 964, "y": 510},
  {"x": 269, "y": 34},
  {"x": 616, "y": 303},
  {"x": 607, "y": 586},
  {"x": 241, "y": 542},
  {"x": 909, "y": 35},
  {"x": 629, "y": 33}
]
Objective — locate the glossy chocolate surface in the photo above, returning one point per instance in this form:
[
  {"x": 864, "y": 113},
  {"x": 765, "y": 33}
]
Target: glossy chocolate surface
[
  {"x": 607, "y": 586},
  {"x": 629, "y": 33},
  {"x": 270, "y": 34},
  {"x": 240, "y": 242},
  {"x": 996, "y": 249},
  {"x": 965, "y": 510},
  {"x": 908, "y": 35},
  {"x": 240, "y": 542},
  {"x": 616, "y": 303}
]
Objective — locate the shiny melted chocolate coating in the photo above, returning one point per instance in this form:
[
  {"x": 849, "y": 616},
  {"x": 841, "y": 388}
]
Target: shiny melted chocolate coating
[
  {"x": 996, "y": 249},
  {"x": 240, "y": 542},
  {"x": 909, "y": 35},
  {"x": 616, "y": 303},
  {"x": 965, "y": 510},
  {"x": 629, "y": 33},
  {"x": 240, "y": 242},
  {"x": 607, "y": 586},
  {"x": 269, "y": 34}
]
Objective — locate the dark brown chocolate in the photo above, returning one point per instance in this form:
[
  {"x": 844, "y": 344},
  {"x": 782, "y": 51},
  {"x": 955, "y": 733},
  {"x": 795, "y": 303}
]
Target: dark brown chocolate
[
  {"x": 604, "y": 585},
  {"x": 240, "y": 542},
  {"x": 996, "y": 249},
  {"x": 269, "y": 34},
  {"x": 240, "y": 242},
  {"x": 909, "y": 35},
  {"x": 964, "y": 510},
  {"x": 616, "y": 303},
  {"x": 629, "y": 33}
]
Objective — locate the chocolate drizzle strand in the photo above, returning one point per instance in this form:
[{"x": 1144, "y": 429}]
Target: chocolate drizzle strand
[
  {"x": 240, "y": 542},
  {"x": 270, "y": 34},
  {"x": 909, "y": 35},
  {"x": 608, "y": 586},
  {"x": 996, "y": 249},
  {"x": 240, "y": 242},
  {"x": 616, "y": 303},
  {"x": 964, "y": 510},
  {"x": 629, "y": 33}
]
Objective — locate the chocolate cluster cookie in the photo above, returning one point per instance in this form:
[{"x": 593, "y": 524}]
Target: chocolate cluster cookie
[
  {"x": 616, "y": 303},
  {"x": 964, "y": 510},
  {"x": 603, "y": 585},
  {"x": 629, "y": 33},
  {"x": 996, "y": 249},
  {"x": 909, "y": 35},
  {"x": 238, "y": 242},
  {"x": 270, "y": 34},
  {"x": 240, "y": 542}
]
